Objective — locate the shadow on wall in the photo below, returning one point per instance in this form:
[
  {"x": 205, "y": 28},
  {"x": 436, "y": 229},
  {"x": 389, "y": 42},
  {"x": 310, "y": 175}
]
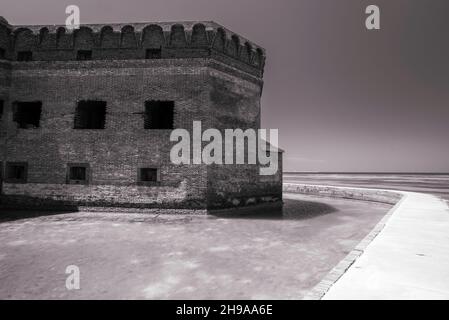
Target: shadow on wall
[
  {"x": 12, "y": 215},
  {"x": 291, "y": 210}
]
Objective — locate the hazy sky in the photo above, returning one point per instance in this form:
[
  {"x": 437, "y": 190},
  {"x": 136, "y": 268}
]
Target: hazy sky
[{"x": 343, "y": 98}]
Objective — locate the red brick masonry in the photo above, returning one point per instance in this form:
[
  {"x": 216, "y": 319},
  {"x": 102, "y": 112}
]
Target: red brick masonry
[{"x": 211, "y": 74}]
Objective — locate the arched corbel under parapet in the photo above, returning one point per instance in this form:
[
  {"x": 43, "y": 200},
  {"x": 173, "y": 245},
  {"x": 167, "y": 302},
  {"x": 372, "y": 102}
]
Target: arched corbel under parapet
[
  {"x": 128, "y": 37},
  {"x": 46, "y": 39},
  {"x": 60, "y": 37},
  {"x": 24, "y": 40},
  {"x": 177, "y": 36},
  {"x": 83, "y": 38},
  {"x": 108, "y": 38},
  {"x": 220, "y": 40},
  {"x": 5, "y": 39},
  {"x": 234, "y": 46},
  {"x": 259, "y": 58},
  {"x": 247, "y": 53},
  {"x": 153, "y": 36},
  {"x": 43, "y": 35},
  {"x": 199, "y": 35}
]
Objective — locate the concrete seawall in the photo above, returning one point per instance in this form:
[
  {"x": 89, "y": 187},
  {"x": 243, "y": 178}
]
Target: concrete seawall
[
  {"x": 375, "y": 195},
  {"x": 406, "y": 256}
]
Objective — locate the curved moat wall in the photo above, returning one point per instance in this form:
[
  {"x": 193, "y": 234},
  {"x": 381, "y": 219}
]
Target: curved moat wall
[
  {"x": 374, "y": 195},
  {"x": 197, "y": 207}
]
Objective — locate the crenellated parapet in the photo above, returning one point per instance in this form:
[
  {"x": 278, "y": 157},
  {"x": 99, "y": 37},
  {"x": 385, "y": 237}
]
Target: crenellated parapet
[{"x": 161, "y": 40}]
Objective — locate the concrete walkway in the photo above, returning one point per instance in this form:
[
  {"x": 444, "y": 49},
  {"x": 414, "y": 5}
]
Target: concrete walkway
[{"x": 408, "y": 259}]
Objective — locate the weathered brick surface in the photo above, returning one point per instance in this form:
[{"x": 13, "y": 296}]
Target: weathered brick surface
[
  {"x": 236, "y": 104},
  {"x": 130, "y": 42},
  {"x": 211, "y": 78}
]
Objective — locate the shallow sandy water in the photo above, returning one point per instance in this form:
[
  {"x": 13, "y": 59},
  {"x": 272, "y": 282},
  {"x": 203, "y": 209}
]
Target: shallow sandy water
[{"x": 123, "y": 256}]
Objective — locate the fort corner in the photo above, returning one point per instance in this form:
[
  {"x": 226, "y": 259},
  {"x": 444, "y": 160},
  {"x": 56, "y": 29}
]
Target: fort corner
[{"x": 86, "y": 115}]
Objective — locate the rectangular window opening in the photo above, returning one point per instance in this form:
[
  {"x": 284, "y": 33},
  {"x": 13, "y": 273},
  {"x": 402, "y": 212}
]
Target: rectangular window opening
[
  {"x": 24, "y": 56},
  {"x": 27, "y": 115},
  {"x": 153, "y": 54},
  {"x": 84, "y": 55},
  {"x": 16, "y": 172},
  {"x": 77, "y": 173},
  {"x": 159, "y": 114},
  {"x": 90, "y": 115},
  {"x": 2, "y": 53},
  {"x": 149, "y": 175}
]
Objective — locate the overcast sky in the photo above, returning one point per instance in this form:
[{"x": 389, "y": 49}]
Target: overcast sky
[{"x": 343, "y": 98}]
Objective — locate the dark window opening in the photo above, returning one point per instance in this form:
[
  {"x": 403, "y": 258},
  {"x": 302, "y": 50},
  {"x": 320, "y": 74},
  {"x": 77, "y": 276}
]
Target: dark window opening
[
  {"x": 2, "y": 53},
  {"x": 153, "y": 54},
  {"x": 24, "y": 56},
  {"x": 27, "y": 115},
  {"x": 90, "y": 115},
  {"x": 77, "y": 173},
  {"x": 84, "y": 55},
  {"x": 16, "y": 172},
  {"x": 148, "y": 175},
  {"x": 159, "y": 114},
  {"x": 1, "y": 109}
]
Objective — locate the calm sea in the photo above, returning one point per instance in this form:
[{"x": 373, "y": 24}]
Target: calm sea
[{"x": 435, "y": 183}]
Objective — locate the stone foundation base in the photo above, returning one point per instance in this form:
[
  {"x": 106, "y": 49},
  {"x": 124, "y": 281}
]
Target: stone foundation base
[{"x": 195, "y": 207}]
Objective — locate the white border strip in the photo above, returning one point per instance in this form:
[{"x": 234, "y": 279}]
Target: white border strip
[{"x": 317, "y": 292}]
